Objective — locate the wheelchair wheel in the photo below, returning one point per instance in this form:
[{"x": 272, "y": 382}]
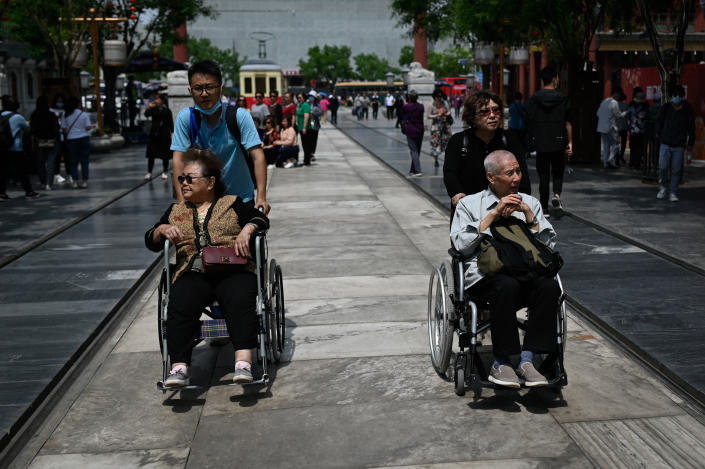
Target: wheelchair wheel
[
  {"x": 459, "y": 377},
  {"x": 440, "y": 307},
  {"x": 276, "y": 301}
]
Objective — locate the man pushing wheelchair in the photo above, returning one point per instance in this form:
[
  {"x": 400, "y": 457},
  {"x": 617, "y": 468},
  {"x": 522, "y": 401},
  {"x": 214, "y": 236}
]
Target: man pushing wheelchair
[{"x": 481, "y": 224}]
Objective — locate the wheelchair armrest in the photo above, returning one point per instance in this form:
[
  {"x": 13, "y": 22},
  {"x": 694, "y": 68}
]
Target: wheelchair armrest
[{"x": 455, "y": 254}]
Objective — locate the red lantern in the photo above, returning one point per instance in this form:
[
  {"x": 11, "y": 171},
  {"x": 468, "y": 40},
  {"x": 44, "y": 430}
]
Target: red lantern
[
  {"x": 133, "y": 8},
  {"x": 133, "y": 17}
]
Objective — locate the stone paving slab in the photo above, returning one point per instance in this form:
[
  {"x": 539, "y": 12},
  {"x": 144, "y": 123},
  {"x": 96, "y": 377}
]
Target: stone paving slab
[
  {"x": 146, "y": 459},
  {"x": 406, "y": 432}
]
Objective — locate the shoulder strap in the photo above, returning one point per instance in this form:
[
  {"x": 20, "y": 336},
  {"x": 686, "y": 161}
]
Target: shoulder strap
[
  {"x": 466, "y": 141},
  {"x": 194, "y": 125},
  {"x": 231, "y": 121}
]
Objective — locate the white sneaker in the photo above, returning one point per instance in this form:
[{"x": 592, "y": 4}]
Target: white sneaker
[
  {"x": 58, "y": 179},
  {"x": 148, "y": 176},
  {"x": 164, "y": 176},
  {"x": 288, "y": 165},
  {"x": 83, "y": 185},
  {"x": 74, "y": 184},
  {"x": 661, "y": 193},
  {"x": 47, "y": 187},
  {"x": 673, "y": 198},
  {"x": 69, "y": 179}
]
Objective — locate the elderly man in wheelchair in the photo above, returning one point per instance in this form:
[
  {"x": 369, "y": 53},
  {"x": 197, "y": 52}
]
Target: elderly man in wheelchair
[{"x": 504, "y": 293}]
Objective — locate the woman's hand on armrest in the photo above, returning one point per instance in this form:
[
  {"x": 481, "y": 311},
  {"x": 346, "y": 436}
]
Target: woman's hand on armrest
[
  {"x": 170, "y": 232},
  {"x": 242, "y": 242}
]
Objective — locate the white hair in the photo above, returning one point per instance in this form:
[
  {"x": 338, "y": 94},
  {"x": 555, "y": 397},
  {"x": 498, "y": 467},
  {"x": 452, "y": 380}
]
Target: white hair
[{"x": 493, "y": 161}]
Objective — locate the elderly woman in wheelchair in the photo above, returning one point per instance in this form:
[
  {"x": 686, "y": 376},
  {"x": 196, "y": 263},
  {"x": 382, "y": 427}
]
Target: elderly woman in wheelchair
[
  {"x": 503, "y": 292},
  {"x": 208, "y": 218}
]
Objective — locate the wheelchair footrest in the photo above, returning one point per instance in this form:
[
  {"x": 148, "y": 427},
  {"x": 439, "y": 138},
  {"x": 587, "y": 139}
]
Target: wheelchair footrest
[
  {"x": 214, "y": 328},
  {"x": 162, "y": 387},
  {"x": 263, "y": 380}
]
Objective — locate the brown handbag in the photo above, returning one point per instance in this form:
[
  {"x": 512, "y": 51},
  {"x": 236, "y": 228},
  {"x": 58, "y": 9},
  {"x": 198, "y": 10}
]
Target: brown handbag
[{"x": 220, "y": 259}]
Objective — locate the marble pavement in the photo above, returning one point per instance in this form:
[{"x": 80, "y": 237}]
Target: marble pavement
[{"x": 356, "y": 389}]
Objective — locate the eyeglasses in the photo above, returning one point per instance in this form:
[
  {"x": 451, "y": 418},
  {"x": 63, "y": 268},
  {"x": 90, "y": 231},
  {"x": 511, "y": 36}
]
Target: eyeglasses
[
  {"x": 198, "y": 89},
  {"x": 259, "y": 96},
  {"x": 486, "y": 112},
  {"x": 188, "y": 178}
]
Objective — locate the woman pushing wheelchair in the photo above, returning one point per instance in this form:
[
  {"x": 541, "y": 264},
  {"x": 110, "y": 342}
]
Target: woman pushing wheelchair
[{"x": 212, "y": 220}]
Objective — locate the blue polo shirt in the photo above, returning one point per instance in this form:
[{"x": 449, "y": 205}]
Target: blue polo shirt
[{"x": 219, "y": 139}]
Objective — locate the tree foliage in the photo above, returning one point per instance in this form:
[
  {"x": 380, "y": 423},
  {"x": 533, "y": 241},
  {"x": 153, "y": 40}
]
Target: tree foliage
[
  {"x": 370, "y": 67},
  {"x": 330, "y": 63},
  {"x": 445, "y": 63},
  {"x": 432, "y": 16},
  {"x": 406, "y": 55}
]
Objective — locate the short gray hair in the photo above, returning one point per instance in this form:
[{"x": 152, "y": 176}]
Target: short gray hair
[{"x": 494, "y": 160}]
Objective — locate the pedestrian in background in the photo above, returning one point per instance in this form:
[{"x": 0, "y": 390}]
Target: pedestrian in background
[
  {"x": 259, "y": 110},
  {"x": 675, "y": 129},
  {"x": 389, "y": 104},
  {"x": 457, "y": 103},
  {"x": 160, "y": 134},
  {"x": 607, "y": 115},
  {"x": 270, "y": 135},
  {"x": 412, "y": 116},
  {"x": 638, "y": 115},
  {"x": 288, "y": 145},
  {"x": 303, "y": 122},
  {"x": 333, "y": 104},
  {"x": 12, "y": 153},
  {"x": 241, "y": 102},
  {"x": 365, "y": 103},
  {"x": 548, "y": 113},
  {"x": 289, "y": 109},
  {"x": 374, "y": 102},
  {"x": 325, "y": 104},
  {"x": 275, "y": 107},
  {"x": 58, "y": 108},
  {"x": 75, "y": 126},
  {"x": 517, "y": 121},
  {"x": 316, "y": 113},
  {"x": 440, "y": 130},
  {"x": 622, "y": 126},
  {"x": 45, "y": 130},
  {"x": 398, "y": 106}
]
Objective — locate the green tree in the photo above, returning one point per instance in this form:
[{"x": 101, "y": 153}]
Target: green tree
[
  {"x": 45, "y": 25},
  {"x": 370, "y": 67},
  {"x": 447, "y": 62},
  {"x": 406, "y": 55},
  {"x": 202, "y": 49},
  {"x": 331, "y": 64}
]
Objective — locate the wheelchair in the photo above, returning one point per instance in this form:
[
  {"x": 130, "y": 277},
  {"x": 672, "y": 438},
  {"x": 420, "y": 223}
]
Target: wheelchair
[
  {"x": 452, "y": 313},
  {"x": 270, "y": 316}
]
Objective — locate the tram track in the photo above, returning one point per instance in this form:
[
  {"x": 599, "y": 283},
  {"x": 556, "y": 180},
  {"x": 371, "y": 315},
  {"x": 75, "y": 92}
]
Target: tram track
[{"x": 692, "y": 395}]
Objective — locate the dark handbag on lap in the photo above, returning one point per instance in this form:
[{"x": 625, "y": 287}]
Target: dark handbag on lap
[{"x": 217, "y": 259}]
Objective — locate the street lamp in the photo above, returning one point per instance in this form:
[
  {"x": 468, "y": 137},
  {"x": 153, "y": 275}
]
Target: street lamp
[
  {"x": 85, "y": 78},
  {"x": 405, "y": 75},
  {"x": 390, "y": 79}
]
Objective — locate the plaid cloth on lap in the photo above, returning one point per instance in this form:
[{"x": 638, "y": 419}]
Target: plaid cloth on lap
[{"x": 213, "y": 328}]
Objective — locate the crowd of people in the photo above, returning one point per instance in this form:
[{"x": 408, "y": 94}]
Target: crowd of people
[{"x": 54, "y": 133}]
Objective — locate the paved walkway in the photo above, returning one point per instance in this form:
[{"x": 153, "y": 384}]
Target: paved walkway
[
  {"x": 55, "y": 296},
  {"x": 356, "y": 243},
  {"x": 652, "y": 304}
]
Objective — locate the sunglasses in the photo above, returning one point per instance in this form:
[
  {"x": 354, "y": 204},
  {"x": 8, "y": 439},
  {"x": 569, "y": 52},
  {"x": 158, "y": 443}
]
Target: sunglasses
[
  {"x": 189, "y": 179},
  {"x": 486, "y": 112},
  {"x": 207, "y": 88}
]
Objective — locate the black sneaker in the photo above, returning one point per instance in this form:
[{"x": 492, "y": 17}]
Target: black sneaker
[
  {"x": 557, "y": 207},
  {"x": 4, "y": 197},
  {"x": 177, "y": 379},
  {"x": 31, "y": 195}
]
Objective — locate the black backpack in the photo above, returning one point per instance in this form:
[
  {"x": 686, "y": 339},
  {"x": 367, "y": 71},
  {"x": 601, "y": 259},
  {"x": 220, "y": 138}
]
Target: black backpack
[
  {"x": 514, "y": 250},
  {"x": 6, "y": 137},
  {"x": 231, "y": 121}
]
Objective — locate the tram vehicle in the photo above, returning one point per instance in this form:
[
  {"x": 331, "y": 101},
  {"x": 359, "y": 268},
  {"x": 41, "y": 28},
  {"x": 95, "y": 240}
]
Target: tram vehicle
[
  {"x": 260, "y": 75},
  {"x": 352, "y": 88}
]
